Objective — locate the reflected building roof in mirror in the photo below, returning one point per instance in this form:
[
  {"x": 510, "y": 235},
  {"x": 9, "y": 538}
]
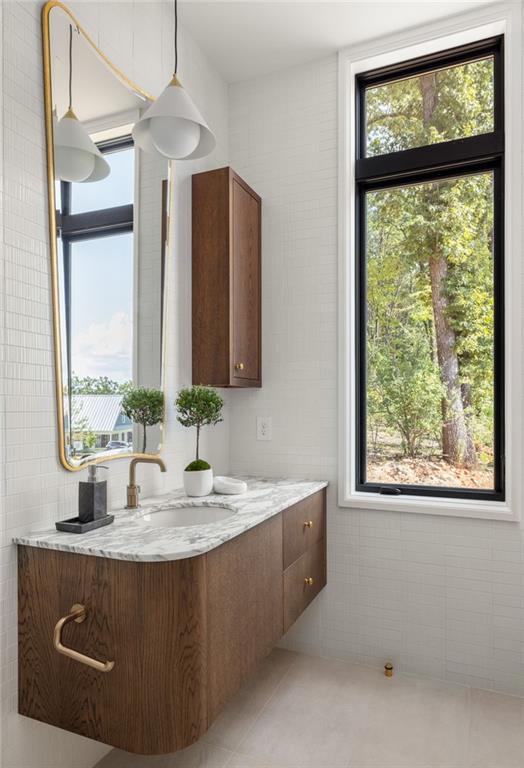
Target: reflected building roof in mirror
[{"x": 99, "y": 413}]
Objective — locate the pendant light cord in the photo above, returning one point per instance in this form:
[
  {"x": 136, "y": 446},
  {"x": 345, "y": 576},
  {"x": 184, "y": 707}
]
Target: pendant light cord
[
  {"x": 70, "y": 66},
  {"x": 176, "y": 35}
]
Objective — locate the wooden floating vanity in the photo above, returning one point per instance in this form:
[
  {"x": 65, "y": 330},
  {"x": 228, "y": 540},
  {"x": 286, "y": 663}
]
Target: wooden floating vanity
[{"x": 184, "y": 634}]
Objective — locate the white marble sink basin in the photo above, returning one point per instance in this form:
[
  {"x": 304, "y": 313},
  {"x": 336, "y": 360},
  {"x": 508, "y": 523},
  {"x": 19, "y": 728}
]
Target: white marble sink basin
[{"x": 179, "y": 516}]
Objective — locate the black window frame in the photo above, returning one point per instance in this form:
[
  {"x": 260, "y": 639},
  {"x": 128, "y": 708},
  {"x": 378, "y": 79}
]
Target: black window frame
[
  {"x": 96, "y": 222},
  {"x": 450, "y": 159}
]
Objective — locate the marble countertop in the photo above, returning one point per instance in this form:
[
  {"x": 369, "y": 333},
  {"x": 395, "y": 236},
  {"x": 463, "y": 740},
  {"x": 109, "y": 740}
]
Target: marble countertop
[{"x": 128, "y": 538}]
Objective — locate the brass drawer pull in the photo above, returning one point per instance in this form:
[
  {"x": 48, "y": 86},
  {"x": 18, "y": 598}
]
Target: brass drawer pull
[
  {"x": 239, "y": 366},
  {"x": 309, "y": 582},
  {"x": 78, "y": 614},
  {"x": 308, "y": 523}
]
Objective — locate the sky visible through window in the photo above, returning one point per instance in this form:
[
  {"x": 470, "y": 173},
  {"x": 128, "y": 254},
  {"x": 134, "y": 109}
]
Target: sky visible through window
[
  {"x": 102, "y": 307},
  {"x": 115, "y": 189},
  {"x": 102, "y": 280}
]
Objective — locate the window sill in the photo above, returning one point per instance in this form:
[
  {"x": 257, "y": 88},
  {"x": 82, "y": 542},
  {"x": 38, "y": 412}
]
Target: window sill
[{"x": 483, "y": 510}]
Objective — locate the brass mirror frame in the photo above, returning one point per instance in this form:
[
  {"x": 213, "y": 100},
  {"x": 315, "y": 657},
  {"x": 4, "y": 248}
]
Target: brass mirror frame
[{"x": 48, "y": 104}]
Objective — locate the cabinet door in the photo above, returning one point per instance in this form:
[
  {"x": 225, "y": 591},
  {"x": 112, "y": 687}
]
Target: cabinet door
[
  {"x": 246, "y": 285},
  {"x": 149, "y": 618},
  {"x": 244, "y": 608}
]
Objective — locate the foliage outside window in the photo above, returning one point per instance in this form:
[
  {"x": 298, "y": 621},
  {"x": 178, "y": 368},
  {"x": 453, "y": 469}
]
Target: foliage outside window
[{"x": 429, "y": 220}]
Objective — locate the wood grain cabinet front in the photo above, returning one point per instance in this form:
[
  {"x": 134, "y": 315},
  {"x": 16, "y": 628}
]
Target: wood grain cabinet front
[
  {"x": 303, "y": 580},
  {"x": 303, "y": 526},
  {"x": 149, "y": 618},
  {"x": 184, "y": 635},
  {"x": 304, "y": 554},
  {"x": 226, "y": 280},
  {"x": 244, "y": 593}
]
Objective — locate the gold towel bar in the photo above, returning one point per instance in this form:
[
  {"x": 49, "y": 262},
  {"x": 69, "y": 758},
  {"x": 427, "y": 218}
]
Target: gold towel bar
[{"x": 78, "y": 613}]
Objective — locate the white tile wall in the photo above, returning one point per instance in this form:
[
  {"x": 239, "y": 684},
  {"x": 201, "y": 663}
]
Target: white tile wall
[
  {"x": 34, "y": 490},
  {"x": 437, "y": 596},
  {"x": 442, "y": 597}
]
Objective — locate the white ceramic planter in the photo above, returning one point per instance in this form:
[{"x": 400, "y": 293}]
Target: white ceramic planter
[{"x": 198, "y": 483}]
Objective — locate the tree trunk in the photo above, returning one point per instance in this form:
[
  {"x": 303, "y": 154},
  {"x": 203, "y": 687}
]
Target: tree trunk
[
  {"x": 198, "y": 442},
  {"x": 144, "y": 441},
  {"x": 457, "y": 443}
]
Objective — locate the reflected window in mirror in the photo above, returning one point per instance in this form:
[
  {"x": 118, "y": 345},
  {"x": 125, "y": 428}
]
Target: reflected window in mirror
[
  {"x": 108, "y": 225},
  {"x": 95, "y": 230},
  {"x": 117, "y": 188}
]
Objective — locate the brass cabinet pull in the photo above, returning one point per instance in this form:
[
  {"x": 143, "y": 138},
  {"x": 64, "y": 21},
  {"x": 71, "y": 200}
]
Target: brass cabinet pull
[
  {"x": 239, "y": 366},
  {"x": 78, "y": 613},
  {"x": 308, "y": 523},
  {"x": 309, "y": 582}
]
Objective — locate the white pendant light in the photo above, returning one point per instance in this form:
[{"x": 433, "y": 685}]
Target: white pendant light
[
  {"x": 77, "y": 158},
  {"x": 173, "y": 126}
]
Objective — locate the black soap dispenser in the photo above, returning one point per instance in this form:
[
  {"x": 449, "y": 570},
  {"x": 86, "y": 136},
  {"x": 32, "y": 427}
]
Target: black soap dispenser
[
  {"x": 92, "y": 496},
  {"x": 92, "y": 504}
]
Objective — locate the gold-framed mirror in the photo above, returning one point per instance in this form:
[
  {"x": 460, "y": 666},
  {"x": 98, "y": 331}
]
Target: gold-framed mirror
[{"x": 109, "y": 225}]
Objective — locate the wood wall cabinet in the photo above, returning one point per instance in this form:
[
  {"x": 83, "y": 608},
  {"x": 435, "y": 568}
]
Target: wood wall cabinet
[
  {"x": 226, "y": 280},
  {"x": 184, "y": 635}
]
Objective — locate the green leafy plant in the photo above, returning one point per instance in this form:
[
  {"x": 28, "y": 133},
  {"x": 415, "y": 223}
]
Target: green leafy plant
[
  {"x": 101, "y": 385},
  {"x": 429, "y": 276},
  {"x": 198, "y": 406},
  {"x": 406, "y": 392},
  {"x": 145, "y": 407},
  {"x": 198, "y": 466},
  {"x": 81, "y": 433}
]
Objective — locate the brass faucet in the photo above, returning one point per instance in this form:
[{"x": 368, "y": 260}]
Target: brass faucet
[{"x": 133, "y": 490}]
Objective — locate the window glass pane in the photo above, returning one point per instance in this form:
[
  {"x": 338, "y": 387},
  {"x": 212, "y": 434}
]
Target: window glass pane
[
  {"x": 429, "y": 334},
  {"x": 101, "y": 297},
  {"x": 58, "y": 195},
  {"x": 115, "y": 189},
  {"x": 451, "y": 103}
]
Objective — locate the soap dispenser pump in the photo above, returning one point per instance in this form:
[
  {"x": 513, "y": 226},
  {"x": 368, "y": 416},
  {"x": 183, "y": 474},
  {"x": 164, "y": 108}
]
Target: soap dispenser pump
[
  {"x": 92, "y": 496},
  {"x": 92, "y": 504}
]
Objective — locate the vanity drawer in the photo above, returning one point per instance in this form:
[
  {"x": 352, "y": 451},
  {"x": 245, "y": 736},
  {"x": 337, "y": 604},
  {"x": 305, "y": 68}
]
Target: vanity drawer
[
  {"x": 299, "y": 591},
  {"x": 303, "y": 526}
]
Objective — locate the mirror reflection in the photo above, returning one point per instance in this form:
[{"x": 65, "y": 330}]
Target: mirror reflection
[{"x": 110, "y": 230}]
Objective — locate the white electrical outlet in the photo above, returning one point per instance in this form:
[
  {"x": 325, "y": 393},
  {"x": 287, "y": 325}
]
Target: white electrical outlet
[{"x": 264, "y": 428}]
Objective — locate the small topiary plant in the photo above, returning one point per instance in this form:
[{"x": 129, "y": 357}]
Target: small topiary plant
[
  {"x": 144, "y": 406},
  {"x": 198, "y": 406},
  {"x": 197, "y": 466}
]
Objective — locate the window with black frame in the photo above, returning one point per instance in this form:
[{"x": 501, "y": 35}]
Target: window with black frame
[
  {"x": 95, "y": 225},
  {"x": 430, "y": 247}
]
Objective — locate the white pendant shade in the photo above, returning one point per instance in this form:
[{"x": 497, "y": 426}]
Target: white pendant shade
[
  {"x": 174, "y": 127},
  {"x": 174, "y": 137},
  {"x": 77, "y": 158}
]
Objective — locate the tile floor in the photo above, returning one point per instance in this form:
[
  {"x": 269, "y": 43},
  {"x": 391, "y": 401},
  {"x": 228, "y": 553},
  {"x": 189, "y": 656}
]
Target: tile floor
[{"x": 306, "y": 712}]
